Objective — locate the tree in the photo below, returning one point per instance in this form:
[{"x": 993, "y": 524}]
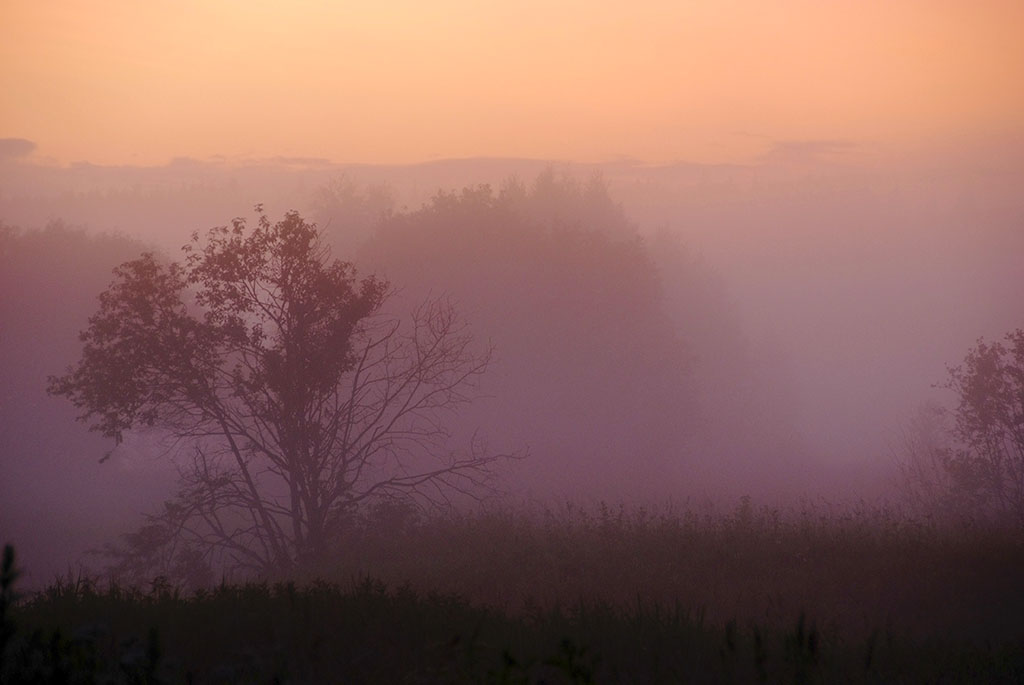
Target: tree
[
  {"x": 294, "y": 398},
  {"x": 594, "y": 376},
  {"x": 969, "y": 462},
  {"x": 989, "y": 423},
  {"x": 923, "y": 456}
]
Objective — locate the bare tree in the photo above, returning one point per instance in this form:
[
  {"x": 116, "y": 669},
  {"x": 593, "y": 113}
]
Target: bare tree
[
  {"x": 292, "y": 399},
  {"x": 923, "y": 455}
]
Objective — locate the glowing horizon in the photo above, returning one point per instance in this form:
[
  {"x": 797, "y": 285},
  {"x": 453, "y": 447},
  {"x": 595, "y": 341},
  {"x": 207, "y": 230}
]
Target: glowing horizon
[{"x": 119, "y": 82}]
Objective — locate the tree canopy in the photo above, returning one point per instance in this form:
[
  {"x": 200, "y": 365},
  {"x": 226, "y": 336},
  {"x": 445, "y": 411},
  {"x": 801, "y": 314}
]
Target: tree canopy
[
  {"x": 294, "y": 399},
  {"x": 591, "y": 373},
  {"x": 969, "y": 462},
  {"x": 621, "y": 360},
  {"x": 989, "y": 423}
]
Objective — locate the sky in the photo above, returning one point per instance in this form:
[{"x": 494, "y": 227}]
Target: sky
[{"x": 122, "y": 82}]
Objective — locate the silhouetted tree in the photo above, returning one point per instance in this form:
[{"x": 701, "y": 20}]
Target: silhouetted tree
[
  {"x": 593, "y": 375},
  {"x": 296, "y": 399},
  {"x": 970, "y": 461},
  {"x": 922, "y": 460},
  {"x": 989, "y": 423}
]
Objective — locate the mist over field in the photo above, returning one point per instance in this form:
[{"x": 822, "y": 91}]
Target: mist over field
[
  {"x": 681, "y": 333},
  {"x": 542, "y": 342}
]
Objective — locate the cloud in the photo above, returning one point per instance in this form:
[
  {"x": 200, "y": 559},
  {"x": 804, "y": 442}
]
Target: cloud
[
  {"x": 12, "y": 148},
  {"x": 301, "y": 161},
  {"x": 807, "y": 151}
]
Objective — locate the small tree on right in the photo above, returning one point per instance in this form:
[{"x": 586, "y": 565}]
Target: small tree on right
[{"x": 987, "y": 461}]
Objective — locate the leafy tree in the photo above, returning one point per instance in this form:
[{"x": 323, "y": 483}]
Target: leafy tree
[
  {"x": 593, "y": 375},
  {"x": 294, "y": 398},
  {"x": 989, "y": 423},
  {"x": 969, "y": 462}
]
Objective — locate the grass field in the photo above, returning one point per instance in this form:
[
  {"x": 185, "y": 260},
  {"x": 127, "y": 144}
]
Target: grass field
[{"x": 576, "y": 595}]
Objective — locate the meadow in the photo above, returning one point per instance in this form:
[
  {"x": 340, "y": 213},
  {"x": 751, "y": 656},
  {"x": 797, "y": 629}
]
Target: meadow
[{"x": 605, "y": 594}]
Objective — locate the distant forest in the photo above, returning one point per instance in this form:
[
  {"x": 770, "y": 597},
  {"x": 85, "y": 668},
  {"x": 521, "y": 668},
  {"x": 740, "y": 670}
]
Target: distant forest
[{"x": 618, "y": 363}]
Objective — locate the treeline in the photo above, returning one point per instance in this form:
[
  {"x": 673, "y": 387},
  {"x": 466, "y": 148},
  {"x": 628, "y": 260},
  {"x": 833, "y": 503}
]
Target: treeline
[
  {"x": 55, "y": 499},
  {"x": 620, "y": 366},
  {"x": 619, "y": 363}
]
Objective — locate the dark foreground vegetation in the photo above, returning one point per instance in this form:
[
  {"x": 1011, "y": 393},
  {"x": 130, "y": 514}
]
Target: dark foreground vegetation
[{"x": 599, "y": 595}]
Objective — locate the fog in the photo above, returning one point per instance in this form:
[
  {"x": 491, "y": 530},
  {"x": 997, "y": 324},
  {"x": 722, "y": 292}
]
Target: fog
[{"x": 682, "y": 332}]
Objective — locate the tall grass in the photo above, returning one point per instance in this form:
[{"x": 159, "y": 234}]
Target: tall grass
[
  {"x": 599, "y": 594},
  {"x": 854, "y": 569}
]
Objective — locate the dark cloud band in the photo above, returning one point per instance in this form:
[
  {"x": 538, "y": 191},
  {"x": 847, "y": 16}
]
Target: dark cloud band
[{"x": 11, "y": 148}]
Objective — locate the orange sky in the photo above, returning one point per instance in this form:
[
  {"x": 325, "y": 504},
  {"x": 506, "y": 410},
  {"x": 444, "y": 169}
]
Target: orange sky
[{"x": 141, "y": 82}]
